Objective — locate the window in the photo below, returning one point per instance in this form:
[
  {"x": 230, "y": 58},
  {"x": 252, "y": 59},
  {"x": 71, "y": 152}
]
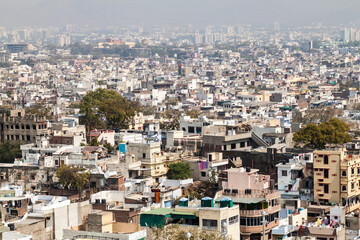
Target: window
[
  {"x": 326, "y": 173},
  {"x": 326, "y": 159},
  {"x": 242, "y": 144},
  {"x": 144, "y": 155},
  {"x": 198, "y": 130},
  {"x": 191, "y": 129},
  {"x": 233, "y": 220},
  {"x": 343, "y": 173},
  {"x": 284, "y": 173},
  {"x": 208, "y": 223},
  {"x": 224, "y": 147},
  {"x": 352, "y": 186},
  {"x": 233, "y": 145},
  {"x": 352, "y": 171},
  {"x": 326, "y": 188},
  {"x": 243, "y": 221},
  {"x": 343, "y": 188},
  {"x": 203, "y": 174},
  {"x": 34, "y": 127}
]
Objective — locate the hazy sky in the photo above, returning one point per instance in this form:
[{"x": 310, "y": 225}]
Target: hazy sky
[{"x": 179, "y": 12}]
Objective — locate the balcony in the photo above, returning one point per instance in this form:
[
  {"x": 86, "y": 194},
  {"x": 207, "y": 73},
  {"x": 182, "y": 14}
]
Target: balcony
[
  {"x": 257, "y": 213},
  {"x": 265, "y": 193},
  {"x": 259, "y": 228}
]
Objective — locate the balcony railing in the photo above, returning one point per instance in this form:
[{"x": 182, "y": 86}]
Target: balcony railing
[
  {"x": 265, "y": 193},
  {"x": 259, "y": 228},
  {"x": 269, "y": 210}
]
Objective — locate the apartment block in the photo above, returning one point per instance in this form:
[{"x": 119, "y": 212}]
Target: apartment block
[{"x": 337, "y": 177}]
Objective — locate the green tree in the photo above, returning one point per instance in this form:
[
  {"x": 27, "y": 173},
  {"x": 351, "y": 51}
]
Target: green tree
[
  {"x": 174, "y": 232},
  {"x": 193, "y": 113},
  {"x": 65, "y": 175},
  {"x": 9, "y": 151},
  {"x": 172, "y": 125},
  {"x": 333, "y": 131},
  {"x": 179, "y": 170},
  {"x": 213, "y": 176},
  {"x": 105, "y": 109},
  {"x": 73, "y": 177},
  {"x": 94, "y": 142},
  {"x": 109, "y": 147}
]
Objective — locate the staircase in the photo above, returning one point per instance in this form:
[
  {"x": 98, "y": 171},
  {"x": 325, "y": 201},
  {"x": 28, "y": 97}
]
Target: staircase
[{"x": 259, "y": 140}]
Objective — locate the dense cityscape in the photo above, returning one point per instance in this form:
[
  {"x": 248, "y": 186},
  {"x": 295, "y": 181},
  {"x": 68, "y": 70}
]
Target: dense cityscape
[{"x": 193, "y": 131}]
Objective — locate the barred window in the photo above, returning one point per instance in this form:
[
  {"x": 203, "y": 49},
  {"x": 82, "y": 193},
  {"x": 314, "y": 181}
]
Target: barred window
[{"x": 233, "y": 220}]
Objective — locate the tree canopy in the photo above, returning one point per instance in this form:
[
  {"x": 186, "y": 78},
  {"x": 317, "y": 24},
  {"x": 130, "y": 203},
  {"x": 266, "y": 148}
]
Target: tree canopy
[
  {"x": 9, "y": 151},
  {"x": 73, "y": 177},
  {"x": 105, "y": 109},
  {"x": 318, "y": 135},
  {"x": 179, "y": 170},
  {"x": 94, "y": 142},
  {"x": 176, "y": 233}
]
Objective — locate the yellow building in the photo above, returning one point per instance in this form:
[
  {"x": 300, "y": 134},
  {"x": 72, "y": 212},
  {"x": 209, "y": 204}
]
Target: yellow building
[
  {"x": 154, "y": 162},
  {"x": 337, "y": 177}
]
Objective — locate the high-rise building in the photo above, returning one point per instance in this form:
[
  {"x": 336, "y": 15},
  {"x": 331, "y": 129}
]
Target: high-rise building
[
  {"x": 63, "y": 40},
  {"x": 198, "y": 38},
  {"x": 276, "y": 26},
  {"x": 208, "y": 38},
  {"x": 345, "y": 35}
]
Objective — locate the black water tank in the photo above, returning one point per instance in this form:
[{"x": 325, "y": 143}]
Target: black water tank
[{"x": 11, "y": 226}]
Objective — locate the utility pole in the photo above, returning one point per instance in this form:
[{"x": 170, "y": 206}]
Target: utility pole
[{"x": 263, "y": 213}]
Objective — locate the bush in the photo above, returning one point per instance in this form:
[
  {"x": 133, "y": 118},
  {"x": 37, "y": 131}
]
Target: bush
[{"x": 179, "y": 170}]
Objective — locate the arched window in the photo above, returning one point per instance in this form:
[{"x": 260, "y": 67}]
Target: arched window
[
  {"x": 343, "y": 188},
  {"x": 343, "y": 173}
]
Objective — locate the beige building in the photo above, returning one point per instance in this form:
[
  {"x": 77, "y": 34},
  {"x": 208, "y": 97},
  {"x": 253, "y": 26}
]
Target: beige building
[
  {"x": 337, "y": 177},
  {"x": 16, "y": 125},
  {"x": 154, "y": 162}
]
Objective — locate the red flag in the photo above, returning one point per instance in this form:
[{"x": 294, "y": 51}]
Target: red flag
[{"x": 300, "y": 229}]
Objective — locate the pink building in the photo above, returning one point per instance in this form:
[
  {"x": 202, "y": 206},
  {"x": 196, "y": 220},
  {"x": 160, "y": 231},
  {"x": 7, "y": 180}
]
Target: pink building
[
  {"x": 255, "y": 196},
  {"x": 242, "y": 179}
]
